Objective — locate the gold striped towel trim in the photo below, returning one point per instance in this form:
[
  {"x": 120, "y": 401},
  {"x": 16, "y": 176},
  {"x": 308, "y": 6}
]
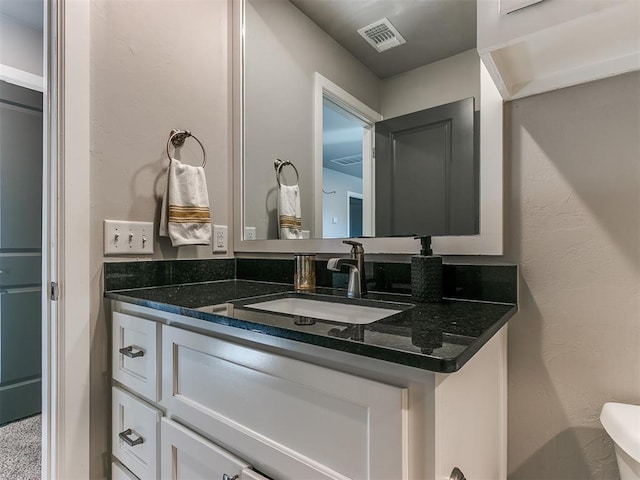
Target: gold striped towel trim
[
  {"x": 289, "y": 221},
  {"x": 189, "y": 214}
]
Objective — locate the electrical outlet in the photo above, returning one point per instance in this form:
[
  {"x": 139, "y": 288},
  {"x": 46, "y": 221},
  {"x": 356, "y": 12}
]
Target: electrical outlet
[
  {"x": 249, "y": 233},
  {"x": 128, "y": 238},
  {"x": 219, "y": 238}
]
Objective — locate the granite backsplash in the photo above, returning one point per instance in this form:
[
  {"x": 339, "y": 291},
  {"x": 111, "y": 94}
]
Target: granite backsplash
[{"x": 491, "y": 283}]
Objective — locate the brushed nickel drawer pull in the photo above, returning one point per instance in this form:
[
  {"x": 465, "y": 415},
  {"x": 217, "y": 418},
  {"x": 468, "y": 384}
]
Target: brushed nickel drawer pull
[
  {"x": 124, "y": 436},
  {"x": 128, "y": 352}
]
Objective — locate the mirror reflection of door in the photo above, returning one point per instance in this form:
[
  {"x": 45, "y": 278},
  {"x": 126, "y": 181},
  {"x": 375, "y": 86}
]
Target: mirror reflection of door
[
  {"x": 427, "y": 172},
  {"x": 354, "y": 214},
  {"x": 343, "y": 135}
]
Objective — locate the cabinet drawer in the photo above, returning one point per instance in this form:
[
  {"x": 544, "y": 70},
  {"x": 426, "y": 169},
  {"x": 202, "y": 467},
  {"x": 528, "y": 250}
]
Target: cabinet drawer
[
  {"x": 289, "y": 419},
  {"x": 135, "y": 434},
  {"x": 136, "y": 354},
  {"x": 186, "y": 455},
  {"x": 120, "y": 473}
]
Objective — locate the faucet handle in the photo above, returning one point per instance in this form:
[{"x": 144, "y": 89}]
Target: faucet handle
[{"x": 356, "y": 247}]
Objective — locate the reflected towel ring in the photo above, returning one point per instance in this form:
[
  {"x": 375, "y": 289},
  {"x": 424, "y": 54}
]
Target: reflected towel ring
[
  {"x": 177, "y": 138},
  {"x": 279, "y": 165}
]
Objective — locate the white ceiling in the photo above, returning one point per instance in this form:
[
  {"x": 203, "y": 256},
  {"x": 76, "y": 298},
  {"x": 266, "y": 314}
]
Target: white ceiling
[
  {"x": 29, "y": 12},
  {"x": 434, "y": 29}
]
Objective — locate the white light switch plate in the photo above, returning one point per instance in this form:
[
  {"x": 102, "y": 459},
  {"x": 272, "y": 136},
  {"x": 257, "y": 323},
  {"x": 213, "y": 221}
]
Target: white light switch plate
[
  {"x": 128, "y": 238},
  {"x": 219, "y": 238}
]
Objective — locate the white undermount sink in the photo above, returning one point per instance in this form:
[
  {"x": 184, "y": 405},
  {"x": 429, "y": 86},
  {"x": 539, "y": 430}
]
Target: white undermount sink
[{"x": 336, "y": 312}]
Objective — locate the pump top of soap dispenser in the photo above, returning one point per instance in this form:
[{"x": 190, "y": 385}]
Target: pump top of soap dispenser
[{"x": 425, "y": 246}]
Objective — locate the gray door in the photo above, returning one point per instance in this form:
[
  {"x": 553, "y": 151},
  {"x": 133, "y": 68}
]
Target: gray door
[
  {"x": 20, "y": 354},
  {"x": 426, "y": 172},
  {"x": 355, "y": 217},
  {"x": 20, "y": 168},
  {"x": 20, "y": 251}
]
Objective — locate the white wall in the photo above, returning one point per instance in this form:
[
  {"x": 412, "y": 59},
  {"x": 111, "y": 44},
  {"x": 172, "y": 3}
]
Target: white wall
[
  {"x": 574, "y": 230},
  {"x": 154, "y": 66},
  {"x": 283, "y": 50},
  {"x": 20, "y": 46},
  {"x": 335, "y": 204},
  {"x": 446, "y": 81}
]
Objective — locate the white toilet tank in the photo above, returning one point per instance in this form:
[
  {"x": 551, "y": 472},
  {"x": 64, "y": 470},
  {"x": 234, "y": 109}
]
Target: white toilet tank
[{"x": 622, "y": 423}]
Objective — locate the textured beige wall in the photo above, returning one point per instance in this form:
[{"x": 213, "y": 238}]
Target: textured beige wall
[
  {"x": 573, "y": 209},
  {"x": 437, "y": 83},
  {"x": 574, "y": 229},
  {"x": 155, "y": 65}
]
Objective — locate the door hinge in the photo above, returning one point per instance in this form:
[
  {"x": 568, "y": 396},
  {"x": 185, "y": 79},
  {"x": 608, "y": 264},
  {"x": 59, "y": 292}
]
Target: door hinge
[{"x": 55, "y": 291}]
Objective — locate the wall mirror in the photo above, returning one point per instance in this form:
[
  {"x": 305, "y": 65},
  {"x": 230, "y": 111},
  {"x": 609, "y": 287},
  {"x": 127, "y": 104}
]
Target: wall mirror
[{"x": 324, "y": 119}]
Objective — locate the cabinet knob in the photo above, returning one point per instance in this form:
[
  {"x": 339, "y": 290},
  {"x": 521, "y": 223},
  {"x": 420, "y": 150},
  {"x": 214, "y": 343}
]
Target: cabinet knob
[
  {"x": 227, "y": 477},
  {"x": 124, "y": 436},
  {"x": 128, "y": 352}
]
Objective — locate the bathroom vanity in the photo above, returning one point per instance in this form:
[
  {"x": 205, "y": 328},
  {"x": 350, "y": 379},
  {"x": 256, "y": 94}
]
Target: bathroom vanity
[{"x": 207, "y": 386}]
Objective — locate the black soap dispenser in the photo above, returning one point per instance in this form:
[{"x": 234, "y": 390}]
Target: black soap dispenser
[{"x": 426, "y": 274}]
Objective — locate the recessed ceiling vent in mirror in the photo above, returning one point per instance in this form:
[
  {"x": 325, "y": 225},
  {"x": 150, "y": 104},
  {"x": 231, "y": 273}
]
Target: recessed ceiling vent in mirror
[
  {"x": 382, "y": 35},
  {"x": 346, "y": 161}
]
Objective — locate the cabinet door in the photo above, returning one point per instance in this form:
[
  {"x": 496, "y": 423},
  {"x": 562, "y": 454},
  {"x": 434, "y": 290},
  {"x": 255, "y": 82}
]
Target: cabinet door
[
  {"x": 135, "y": 429},
  {"x": 289, "y": 419},
  {"x": 186, "y": 456},
  {"x": 135, "y": 354},
  {"x": 120, "y": 473}
]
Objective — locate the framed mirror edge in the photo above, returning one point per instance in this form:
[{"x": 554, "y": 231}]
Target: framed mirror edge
[{"x": 490, "y": 240}]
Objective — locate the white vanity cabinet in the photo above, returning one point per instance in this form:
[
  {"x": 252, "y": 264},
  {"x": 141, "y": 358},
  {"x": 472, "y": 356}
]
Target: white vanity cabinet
[
  {"x": 236, "y": 404},
  {"x": 287, "y": 418},
  {"x": 293, "y": 419},
  {"x": 145, "y": 444},
  {"x": 556, "y": 43}
]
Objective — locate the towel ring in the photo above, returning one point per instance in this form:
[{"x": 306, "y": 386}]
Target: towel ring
[
  {"x": 279, "y": 165},
  {"x": 177, "y": 138}
]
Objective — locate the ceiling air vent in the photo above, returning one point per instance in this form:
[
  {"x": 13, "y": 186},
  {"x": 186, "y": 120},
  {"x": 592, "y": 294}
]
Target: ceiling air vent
[
  {"x": 382, "y": 35},
  {"x": 346, "y": 161}
]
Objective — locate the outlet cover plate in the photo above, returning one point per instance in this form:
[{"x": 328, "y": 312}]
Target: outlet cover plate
[
  {"x": 220, "y": 238},
  {"x": 128, "y": 238},
  {"x": 249, "y": 233}
]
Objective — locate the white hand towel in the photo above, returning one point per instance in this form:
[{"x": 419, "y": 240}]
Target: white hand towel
[
  {"x": 185, "y": 217},
  {"x": 289, "y": 212}
]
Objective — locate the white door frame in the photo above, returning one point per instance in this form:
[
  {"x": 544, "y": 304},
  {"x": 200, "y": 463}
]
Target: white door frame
[
  {"x": 66, "y": 241},
  {"x": 325, "y": 88}
]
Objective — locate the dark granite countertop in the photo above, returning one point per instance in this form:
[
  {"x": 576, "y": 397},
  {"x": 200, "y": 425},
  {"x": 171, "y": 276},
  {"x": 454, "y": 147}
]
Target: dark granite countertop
[{"x": 439, "y": 337}]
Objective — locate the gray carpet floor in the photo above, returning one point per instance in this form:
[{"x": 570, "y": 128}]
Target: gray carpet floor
[{"x": 20, "y": 444}]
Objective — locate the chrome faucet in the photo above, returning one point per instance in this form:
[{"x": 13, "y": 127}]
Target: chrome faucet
[{"x": 357, "y": 283}]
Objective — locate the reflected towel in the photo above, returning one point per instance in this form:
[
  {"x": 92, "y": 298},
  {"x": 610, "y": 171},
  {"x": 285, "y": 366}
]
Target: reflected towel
[
  {"x": 289, "y": 212},
  {"x": 185, "y": 217}
]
